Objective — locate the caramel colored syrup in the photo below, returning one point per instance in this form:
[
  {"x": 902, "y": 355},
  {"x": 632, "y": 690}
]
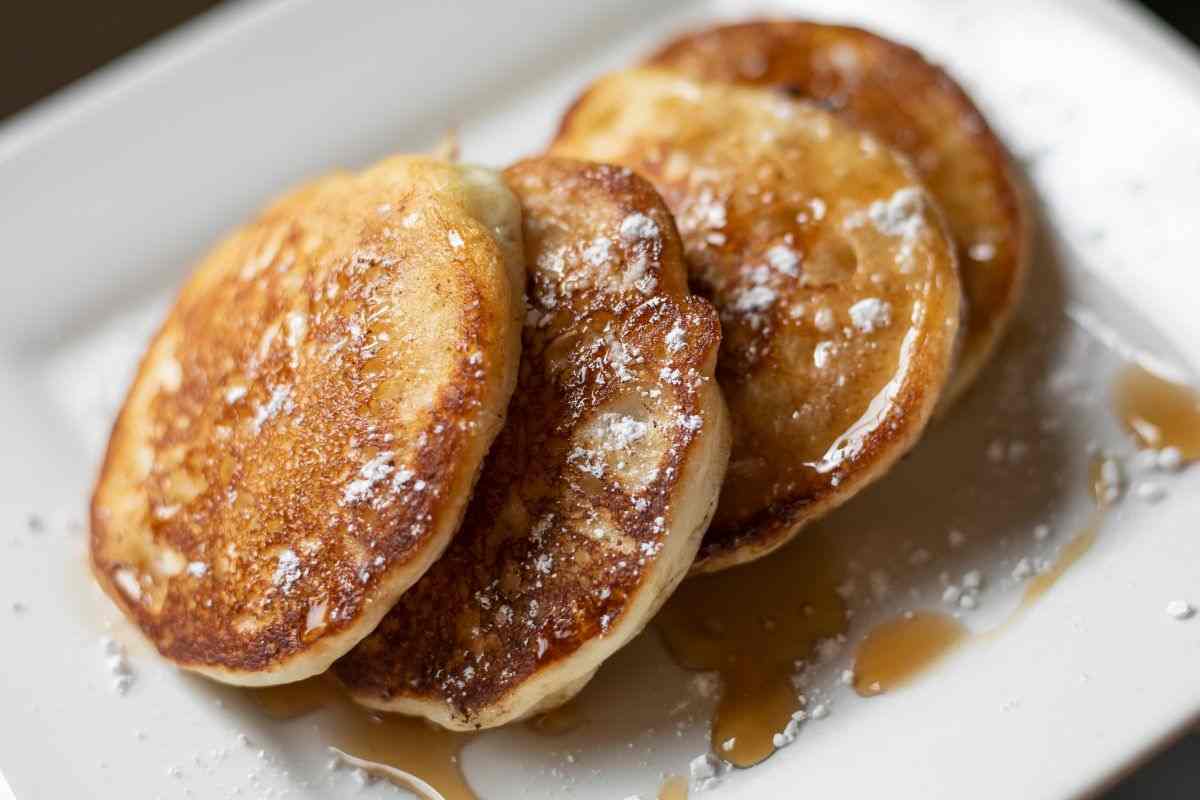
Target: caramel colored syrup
[
  {"x": 1039, "y": 584},
  {"x": 752, "y": 624},
  {"x": 1159, "y": 412},
  {"x": 558, "y": 721},
  {"x": 900, "y": 649},
  {"x": 388, "y": 740},
  {"x": 673, "y": 788},
  {"x": 896, "y": 651}
]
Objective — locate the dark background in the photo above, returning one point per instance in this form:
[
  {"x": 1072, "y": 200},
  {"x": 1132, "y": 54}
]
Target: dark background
[{"x": 46, "y": 45}]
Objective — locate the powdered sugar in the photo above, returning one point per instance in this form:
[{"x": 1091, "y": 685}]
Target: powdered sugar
[
  {"x": 784, "y": 259},
  {"x": 1180, "y": 609},
  {"x": 372, "y": 473},
  {"x": 598, "y": 253},
  {"x": 280, "y": 400},
  {"x": 707, "y": 771},
  {"x": 870, "y": 314},
  {"x": 287, "y": 571},
  {"x": 707, "y": 212},
  {"x": 822, "y": 354},
  {"x": 755, "y": 298},
  {"x": 638, "y": 226},
  {"x": 587, "y": 460},
  {"x": 117, "y": 664},
  {"x": 620, "y": 431},
  {"x": 675, "y": 338},
  {"x": 899, "y": 216}
]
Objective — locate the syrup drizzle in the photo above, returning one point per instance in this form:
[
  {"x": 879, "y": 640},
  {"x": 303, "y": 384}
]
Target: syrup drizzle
[
  {"x": 896, "y": 651},
  {"x": 1158, "y": 412},
  {"x": 781, "y": 608},
  {"x": 752, "y": 624},
  {"x": 673, "y": 788},
  {"x": 704, "y": 630},
  {"x": 1071, "y": 552},
  {"x": 391, "y": 741}
]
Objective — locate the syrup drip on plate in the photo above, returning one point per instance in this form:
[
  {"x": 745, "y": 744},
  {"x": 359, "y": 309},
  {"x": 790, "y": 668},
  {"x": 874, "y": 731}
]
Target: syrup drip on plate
[
  {"x": 673, "y": 788},
  {"x": 896, "y": 651},
  {"x": 1158, "y": 412},
  {"x": 752, "y": 624},
  {"x": 386, "y": 745},
  {"x": 1082, "y": 542}
]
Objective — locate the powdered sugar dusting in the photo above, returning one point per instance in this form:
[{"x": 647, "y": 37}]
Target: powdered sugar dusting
[
  {"x": 675, "y": 338},
  {"x": 754, "y": 297},
  {"x": 619, "y": 431},
  {"x": 898, "y": 216},
  {"x": 638, "y": 226},
  {"x": 598, "y": 252},
  {"x": 371, "y": 474},
  {"x": 784, "y": 259},
  {"x": 287, "y": 571},
  {"x": 280, "y": 400},
  {"x": 870, "y": 314}
]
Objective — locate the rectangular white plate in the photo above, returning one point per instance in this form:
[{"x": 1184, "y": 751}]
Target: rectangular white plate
[{"x": 112, "y": 188}]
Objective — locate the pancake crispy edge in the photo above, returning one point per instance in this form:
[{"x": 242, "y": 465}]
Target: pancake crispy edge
[
  {"x": 303, "y": 433},
  {"x": 595, "y": 496},
  {"x": 891, "y": 91},
  {"x": 832, "y": 270}
]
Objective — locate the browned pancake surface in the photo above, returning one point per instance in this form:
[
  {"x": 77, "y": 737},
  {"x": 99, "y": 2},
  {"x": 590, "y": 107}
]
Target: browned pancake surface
[
  {"x": 833, "y": 274},
  {"x": 893, "y": 92},
  {"x": 594, "y": 498},
  {"x": 303, "y": 432}
]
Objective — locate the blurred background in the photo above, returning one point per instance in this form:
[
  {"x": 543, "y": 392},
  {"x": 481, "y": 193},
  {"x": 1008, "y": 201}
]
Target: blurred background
[{"x": 45, "y": 46}]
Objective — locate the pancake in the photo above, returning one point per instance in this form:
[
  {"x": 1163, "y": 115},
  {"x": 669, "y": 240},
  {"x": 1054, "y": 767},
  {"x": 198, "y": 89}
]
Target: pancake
[
  {"x": 595, "y": 496},
  {"x": 831, "y": 268},
  {"x": 303, "y": 433},
  {"x": 891, "y": 91}
]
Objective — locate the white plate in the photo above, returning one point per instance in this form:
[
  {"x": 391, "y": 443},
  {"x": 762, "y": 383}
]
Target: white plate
[{"x": 113, "y": 187}]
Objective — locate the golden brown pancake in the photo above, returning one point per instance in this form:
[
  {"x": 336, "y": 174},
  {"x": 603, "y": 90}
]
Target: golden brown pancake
[
  {"x": 303, "y": 433},
  {"x": 891, "y": 91},
  {"x": 595, "y": 496},
  {"x": 831, "y": 268}
]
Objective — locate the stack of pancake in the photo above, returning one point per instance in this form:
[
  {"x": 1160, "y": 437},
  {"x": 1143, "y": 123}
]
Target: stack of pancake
[{"x": 454, "y": 435}]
